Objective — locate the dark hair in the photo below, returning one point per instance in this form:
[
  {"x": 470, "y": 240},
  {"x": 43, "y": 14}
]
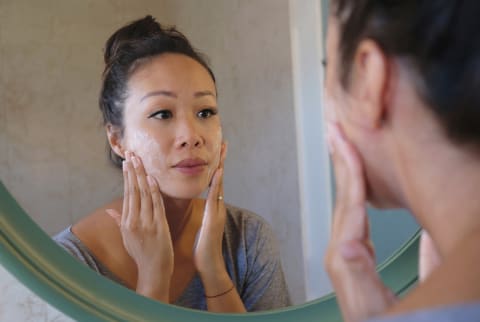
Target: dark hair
[
  {"x": 439, "y": 39},
  {"x": 127, "y": 49}
]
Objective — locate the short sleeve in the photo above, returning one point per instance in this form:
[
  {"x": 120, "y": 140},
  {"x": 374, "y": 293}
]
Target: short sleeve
[
  {"x": 265, "y": 287},
  {"x": 75, "y": 247}
]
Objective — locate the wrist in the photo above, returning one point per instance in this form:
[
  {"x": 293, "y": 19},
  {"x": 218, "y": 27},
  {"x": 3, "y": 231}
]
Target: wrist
[
  {"x": 215, "y": 270},
  {"x": 158, "y": 288},
  {"x": 215, "y": 283}
]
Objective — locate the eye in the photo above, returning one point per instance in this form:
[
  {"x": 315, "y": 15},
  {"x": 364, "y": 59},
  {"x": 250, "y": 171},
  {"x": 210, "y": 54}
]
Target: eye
[
  {"x": 206, "y": 113},
  {"x": 162, "y": 115}
]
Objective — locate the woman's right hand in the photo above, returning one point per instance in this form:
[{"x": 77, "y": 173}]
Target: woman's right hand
[
  {"x": 145, "y": 231},
  {"x": 350, "y": 258}
]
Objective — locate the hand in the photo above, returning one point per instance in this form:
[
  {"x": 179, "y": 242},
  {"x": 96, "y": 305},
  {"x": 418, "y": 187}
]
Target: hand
[
  {"x": 145, "y": 231},
  {"x": 350, "y": 259},
  {"x": 208, "y": 256}
]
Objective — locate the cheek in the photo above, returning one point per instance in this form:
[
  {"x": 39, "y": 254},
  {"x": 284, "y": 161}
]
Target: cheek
[
  {"x": 147, "y": 148},
  {"x": 216, "y": 146}
]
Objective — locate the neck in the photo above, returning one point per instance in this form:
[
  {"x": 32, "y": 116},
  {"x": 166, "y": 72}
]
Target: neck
[
  {"x": 177, "y": 212},
  {"x": 442, "y": 183}
]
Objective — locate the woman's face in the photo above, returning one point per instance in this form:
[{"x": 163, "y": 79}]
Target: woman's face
[{"x": 171, "y": 123}]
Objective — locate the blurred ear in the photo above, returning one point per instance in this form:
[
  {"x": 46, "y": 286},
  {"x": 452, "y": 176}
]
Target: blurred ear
[
  {"x": 369, "y": 84},
  {"x": 114, "y": 135}
]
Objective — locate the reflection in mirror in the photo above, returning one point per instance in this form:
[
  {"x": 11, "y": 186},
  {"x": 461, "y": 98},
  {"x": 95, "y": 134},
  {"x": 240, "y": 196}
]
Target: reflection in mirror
[
  {"x": 56, "y": 144},
  {"x": 50, "y": 126}
]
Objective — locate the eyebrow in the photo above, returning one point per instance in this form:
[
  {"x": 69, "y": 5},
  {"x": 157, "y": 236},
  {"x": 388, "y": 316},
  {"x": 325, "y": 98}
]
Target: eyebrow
[
  {"x": 156, "y": 93},
  {"x": 173, "y": 95},
  {"x": 204, "y": 93}
]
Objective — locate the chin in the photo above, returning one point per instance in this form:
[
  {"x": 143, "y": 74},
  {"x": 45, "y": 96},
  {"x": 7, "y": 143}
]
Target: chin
[
  {"x": 189, "y": 191},
  {"x": 380, "y": 199}
]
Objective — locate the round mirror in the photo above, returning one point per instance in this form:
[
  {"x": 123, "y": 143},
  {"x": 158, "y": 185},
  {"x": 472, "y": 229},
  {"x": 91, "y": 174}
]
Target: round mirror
[
  {"x": 55, "y": 158},
  {"x": 29, "y": 253}
]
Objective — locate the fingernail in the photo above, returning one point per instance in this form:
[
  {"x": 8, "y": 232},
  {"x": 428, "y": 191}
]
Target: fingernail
[{"x": 124, "y": 165}]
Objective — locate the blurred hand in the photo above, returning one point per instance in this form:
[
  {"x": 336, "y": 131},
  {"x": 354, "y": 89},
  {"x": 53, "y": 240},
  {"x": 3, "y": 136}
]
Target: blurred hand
[
  {"x": 145, "y": 231},
  {"x": 350, "y": 258}
]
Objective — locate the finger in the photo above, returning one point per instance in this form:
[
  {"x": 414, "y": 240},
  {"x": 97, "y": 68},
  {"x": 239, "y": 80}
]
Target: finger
[
  {"x": 126, "y": 192},
  {"x": 223, "y": 154},
  {"x": 221, "y": 194},
  {"x": 158, "y": 207},
  {"x": 348, "y": 167},
  {"x": 146, "y": 213},
  {"x": 134, "y": 199},
  {"x": 350, "y": 220},
  {"x": 358, "y": 253},
  {"x": 339, "y": 167},
  {"x": 115, "y": 215},
  {"x": 211, "y": 206}
]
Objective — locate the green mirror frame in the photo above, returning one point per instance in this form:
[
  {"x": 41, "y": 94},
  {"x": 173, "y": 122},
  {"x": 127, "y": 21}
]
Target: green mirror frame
[{"x": 29, "y": 254}]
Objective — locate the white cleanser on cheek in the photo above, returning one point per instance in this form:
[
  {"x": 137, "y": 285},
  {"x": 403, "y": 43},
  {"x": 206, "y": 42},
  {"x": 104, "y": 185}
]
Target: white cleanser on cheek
[
  {"x": 149, "y": 150},
  {"x": 158, "y": 159}
]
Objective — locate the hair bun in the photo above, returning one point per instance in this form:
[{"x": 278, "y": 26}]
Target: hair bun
[{"x": 138, "y": 29}]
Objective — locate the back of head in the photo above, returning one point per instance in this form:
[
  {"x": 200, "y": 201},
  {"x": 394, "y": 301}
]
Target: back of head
[
  {"x": 439, "y": 40},
  {"x": 128, "y": 48}
]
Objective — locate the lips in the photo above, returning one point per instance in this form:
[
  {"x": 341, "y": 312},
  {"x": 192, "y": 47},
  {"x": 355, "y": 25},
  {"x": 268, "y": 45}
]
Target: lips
[{"x": 191, "y": 166}]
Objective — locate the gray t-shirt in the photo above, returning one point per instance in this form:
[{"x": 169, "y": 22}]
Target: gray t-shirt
[
  {"x": 455, "y": 313},
  {"x": 251, "y": 258}
]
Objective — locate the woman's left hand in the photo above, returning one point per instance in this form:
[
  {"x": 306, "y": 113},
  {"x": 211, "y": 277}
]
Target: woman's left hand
[
  {"x": 350, "y": 259},
  {"x": 208, "y": 256}
]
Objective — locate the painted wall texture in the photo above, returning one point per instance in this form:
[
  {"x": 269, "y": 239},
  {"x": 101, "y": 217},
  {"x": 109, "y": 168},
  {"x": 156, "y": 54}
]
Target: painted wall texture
[{"x": 52, "y": 145}]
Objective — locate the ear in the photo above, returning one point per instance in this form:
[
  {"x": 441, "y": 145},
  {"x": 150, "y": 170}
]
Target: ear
[
  {"x": 114, "y": 135},
  {"x": 369, "y": 84}
]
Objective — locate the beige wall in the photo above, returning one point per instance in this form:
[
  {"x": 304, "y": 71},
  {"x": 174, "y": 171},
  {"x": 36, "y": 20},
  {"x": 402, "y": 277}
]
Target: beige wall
[
  {"x": 52, "y": 147},
  {"x": 248, "y": 42}
]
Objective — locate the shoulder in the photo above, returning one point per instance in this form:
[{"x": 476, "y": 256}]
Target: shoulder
[
  {"x": 455, "y": 280},
  {"x": 99, "y": 234},
  {"x": 246, "y": 222},
  {"x": 68, "y": 241},
  {"x": 240, "y": 217},
  {"x": 251, "y": 231},
  {"x": 98, "y": 231}
]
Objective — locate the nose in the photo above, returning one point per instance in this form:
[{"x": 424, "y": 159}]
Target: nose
[{"x": 188, "y": 134}]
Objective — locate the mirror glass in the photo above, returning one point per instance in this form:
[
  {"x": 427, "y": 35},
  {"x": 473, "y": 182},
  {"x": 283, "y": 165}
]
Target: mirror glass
[{"x": 53, "y": 145}]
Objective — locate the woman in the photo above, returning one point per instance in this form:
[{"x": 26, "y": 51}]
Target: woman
[
  {"x": 160, "y": 112},
  {"x": 402, "y": 83}
]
